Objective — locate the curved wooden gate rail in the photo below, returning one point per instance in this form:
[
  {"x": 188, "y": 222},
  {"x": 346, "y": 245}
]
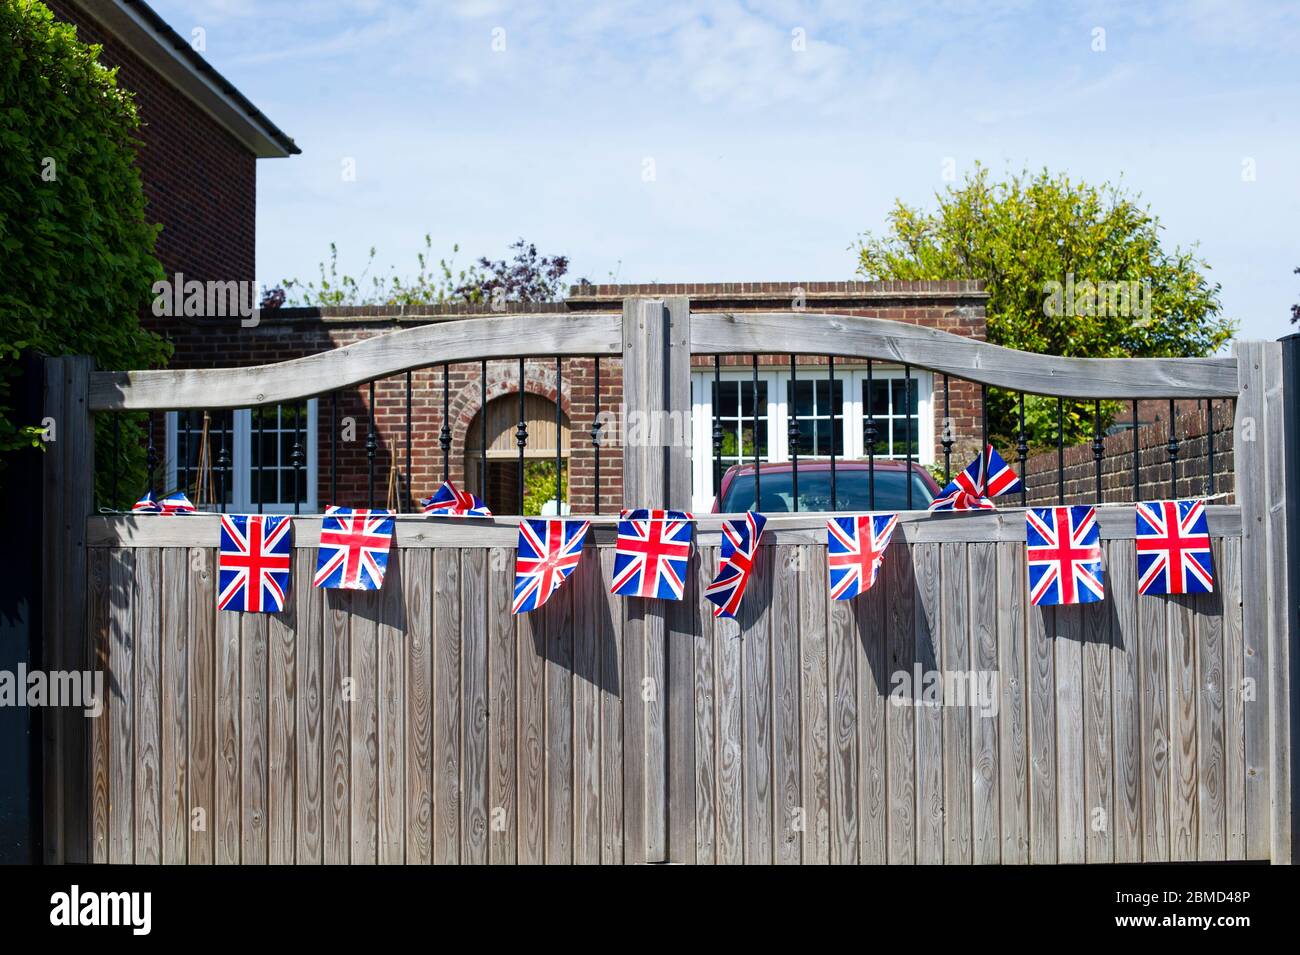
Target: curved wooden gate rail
[{"x": 423, "y": 723}]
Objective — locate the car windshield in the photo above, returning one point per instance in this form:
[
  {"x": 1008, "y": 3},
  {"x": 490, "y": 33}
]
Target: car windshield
[{"x": 852, "y": 492}]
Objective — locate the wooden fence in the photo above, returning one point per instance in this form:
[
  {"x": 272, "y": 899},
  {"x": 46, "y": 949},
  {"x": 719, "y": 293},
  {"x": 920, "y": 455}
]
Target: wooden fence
[{"x": 424, "y": 723}]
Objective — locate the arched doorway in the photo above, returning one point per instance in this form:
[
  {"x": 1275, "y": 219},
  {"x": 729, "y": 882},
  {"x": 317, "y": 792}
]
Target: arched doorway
[{"x": 499, "y": 486}]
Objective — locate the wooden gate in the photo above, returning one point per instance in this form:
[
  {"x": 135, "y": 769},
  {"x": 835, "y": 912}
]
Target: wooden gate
[{"x": 424, "y": 723}]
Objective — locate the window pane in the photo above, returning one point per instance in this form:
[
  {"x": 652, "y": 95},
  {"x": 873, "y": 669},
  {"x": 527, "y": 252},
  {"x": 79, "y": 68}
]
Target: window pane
[
  {"x": 725, "y": 404},
  {"x": 800, "y": 397},
  {"x": 878, "y": 397},
  {"x": 747, "y": 398}
]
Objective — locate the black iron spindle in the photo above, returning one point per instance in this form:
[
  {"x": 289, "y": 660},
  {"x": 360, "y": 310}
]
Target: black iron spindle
[
  {"x": 595, "y": 440},
  {"x": 792, "y": 433},
  {"x": 1060, "y": 450},
  {"x": 183, "y": 456},
  {"x": 870, "y": 434},
  {"x": 1022, "y": 455},
  {"x": 299, "y": 456},
  {"x": 151, "y": 452},
  {"x": 831, "y": 389},
  {"x": 1209, "y": 447},
  {"x": 521, "y": 435},
  {"x": 757, "y": 459},
  {"x": 117, "y": 459},
  {"x": 559, "y": 463},
  {"x": 1173, "y": 452},
  {"x": 948, "y": 440},
  {"x": 404, "y": 499},
  {"x": 444, "y": 433},
  {"x": 717, "y": 424},
  {"x": 907, "y": 418},
  {"x": 261, "y": 453},
  {"x": 372, "y": 448},
  {"x": 483, "y": 428},
  {"x": 223, "y": 465},
  {"x": 334, "y": 447},
  {"x": 1137, "y": 457},
  {"x": 1098, "y": 445}
]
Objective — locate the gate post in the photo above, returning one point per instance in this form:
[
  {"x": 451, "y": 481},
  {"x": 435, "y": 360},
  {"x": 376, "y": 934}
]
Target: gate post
[
  {"x": 1260, "y": 460},
  {"x": 656, "y": 473},
  {"x": 69, "y": 496},
  {"x": 1291, "y": 459}
]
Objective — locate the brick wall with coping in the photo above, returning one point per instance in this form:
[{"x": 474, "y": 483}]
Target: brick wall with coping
[{"x": 295, "y": 332}]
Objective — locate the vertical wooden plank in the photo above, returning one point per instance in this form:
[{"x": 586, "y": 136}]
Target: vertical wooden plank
[
  {"x": 1183, "y": 821},
  {"x": 682, "y": 633},
  {"x": 447, "y": 584},
  {"x": 120, "y": 689},
  {"x": 871, "y": 636},
  {"x": 1210, "y": 765},
  {"x": 590, "y": 629},
  {"x": 1013, "y": 720},
  {"x": 364, "y": 741},
  {"x": 253, "y": 750},
  {"x": 706, "y": 699},
  {"x": 730, "y": 745},
  {"x": 613, "y": 691},
  {"x": 281, "y": 715},
  {"x": 955, "y": 616},
  {"x": 391, "y": 694},
  {"x": 756, "y": 695},
  {"x": 983, "y": 704},
  {"x": 1071, "y": 811},
  {"x": 844, "y": 648},
  {"x": 336, "y": 729},
  {"x": 174, "y": 683},
  {"x": 1098, "y": 759},
  {"x": 531, "y": 734},
  {"x": 202, "y": 661},
  {"x": 1041, "y": 627},
  {"x": 503, "y": 832},
  {"x": 148, "y": 715},
  {"x": 931, "y": 582},
  {"x": 814, "y": 693},
  {"x": 228, "y": 738},
  {"x": 1126, "y": 701},
  {"x": 99, "y": 609},
  {"x": 474, "y": 707},
  {"x": 309, "y": 752},
  {"x": 417, "y": 578},
  {"x": 904, "y": 624},
  {"x": 557, "y": 737},
  {"x": 1228, "y": 580},
  {"x": 1251, "y": 456},
  {"x": 792, "y": 808},
  {"x": 1155, "y": 729}
]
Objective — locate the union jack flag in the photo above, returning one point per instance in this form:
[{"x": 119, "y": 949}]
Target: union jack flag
[
  {"x": 1173, "y": 548},
  {"x": 651, "y": 553},
  {"x": 855, "y": 549},
  {"x": 739, "y": 548},
  {"x": 353, "y": 552},
  {"x": 549, "y": 551},
  {"x": 253, "y": 571},
  {"x": 176, "y": 503},
  {"x": 1064, "y": 551},
  {"x": 987, "y": 477},
  {"x": 450, "y": 501}
]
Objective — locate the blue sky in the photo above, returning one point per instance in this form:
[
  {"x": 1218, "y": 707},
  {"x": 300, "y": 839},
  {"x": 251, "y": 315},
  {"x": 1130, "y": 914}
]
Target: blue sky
[{"x": 768, "y": 161}]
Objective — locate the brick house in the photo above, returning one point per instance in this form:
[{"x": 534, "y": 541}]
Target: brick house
[{"x": 299, "y": 442}]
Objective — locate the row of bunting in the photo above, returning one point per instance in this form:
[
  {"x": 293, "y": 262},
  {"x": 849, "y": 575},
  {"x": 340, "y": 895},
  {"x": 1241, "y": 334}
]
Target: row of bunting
[{"x": 652, "y": 551}]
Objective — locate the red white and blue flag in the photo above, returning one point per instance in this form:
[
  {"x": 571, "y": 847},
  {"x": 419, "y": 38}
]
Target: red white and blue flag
[
  {"x": 176, "y": 503},
  {"x": 1064, "y": 554},
  {"x": 1173, "y": 548},
  {"x": 855, "y": 549},
  {"x": 253, "y": 569},
  {"x": 354, "y": 544},
  {"x": 740, "y": 538},
  {"x": 450, "y": 501},
  {"x": 651, "y": 553},
  {"x": 549, "y": 551},
  {"x": 985, "y": 478}
]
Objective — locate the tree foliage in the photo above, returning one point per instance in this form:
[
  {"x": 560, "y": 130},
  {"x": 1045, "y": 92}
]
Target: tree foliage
[
  {"x": 76, "y": 252},
  {"x": 1033, "y": 230}
]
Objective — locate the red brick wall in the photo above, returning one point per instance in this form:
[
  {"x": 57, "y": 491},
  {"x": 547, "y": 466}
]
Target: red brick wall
[
  {"x": 200, "y": 183},
  {"x": 292, "y": 333}
]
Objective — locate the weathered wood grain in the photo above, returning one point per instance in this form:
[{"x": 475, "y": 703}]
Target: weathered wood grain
[
  {"x": 503, "y": 830},
  {"x": 1126, "y": 701},
  {"x": 253, "y": 781},
  {"x": 281, "y": 716},
  {"x": 336, "y": 729},
  {"x": 811, "y": 333},
  {"x": 201, "y": 614},
  {"x": 932, "y": 582},
  {"x": 99, "y": 624},
  {"x": 391, "y": 639},
  {"x": 120, "y": 689},
  {"x": 1071, "y": 809},
  {"x": 173, "y": 679},
  {"x": 729, "y": 642},
  {"x": 792, "y": 807},
  {"x": 756, "y": 700},
  {"x": 417, "y": 580},
  {"x": 1098, "y": 758},
  {"x": 363, "y": 741},
  {"x": 148, "y": 715},
  {"x": 229, "y": 742},
  {"x": 1013, "y": 720},
  {"x": 705, "y": 698},
  {"x": 533, "y": 630},
  {"x": 475, "y": 807},
  {"x": 447, "y": 579},
  {"x": 871, "y": 643},
  {"x": 682, "y": 632},
  {"x": 310, "y": 747},
  {"x": 900, "y": 738},
  {"x": 1183, "y": 821},
  {"x": 984, "y": 715},
  {"x": 1040, "y": 659},
  {"x": 591, "y": 628},
  {"x": 843, "y": 648},
  {"x": 1228, "y": 579},
  {"x": 815, "y": 715},
  {"x": 1154, "y": 681},
  {"x": 613, "y": 691},
  {"x": 1208, "y": 693},
  {"x": 955, "y": 639},
  {"x": 557, "y": 735}
]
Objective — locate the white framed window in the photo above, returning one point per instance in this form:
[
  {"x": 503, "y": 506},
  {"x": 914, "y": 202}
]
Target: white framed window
[
  {"x": 897, "y": 426},
  {"x": 260, "y": 443}
]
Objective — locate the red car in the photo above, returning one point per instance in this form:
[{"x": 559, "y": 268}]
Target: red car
[{"x": 852, "y": 487}]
